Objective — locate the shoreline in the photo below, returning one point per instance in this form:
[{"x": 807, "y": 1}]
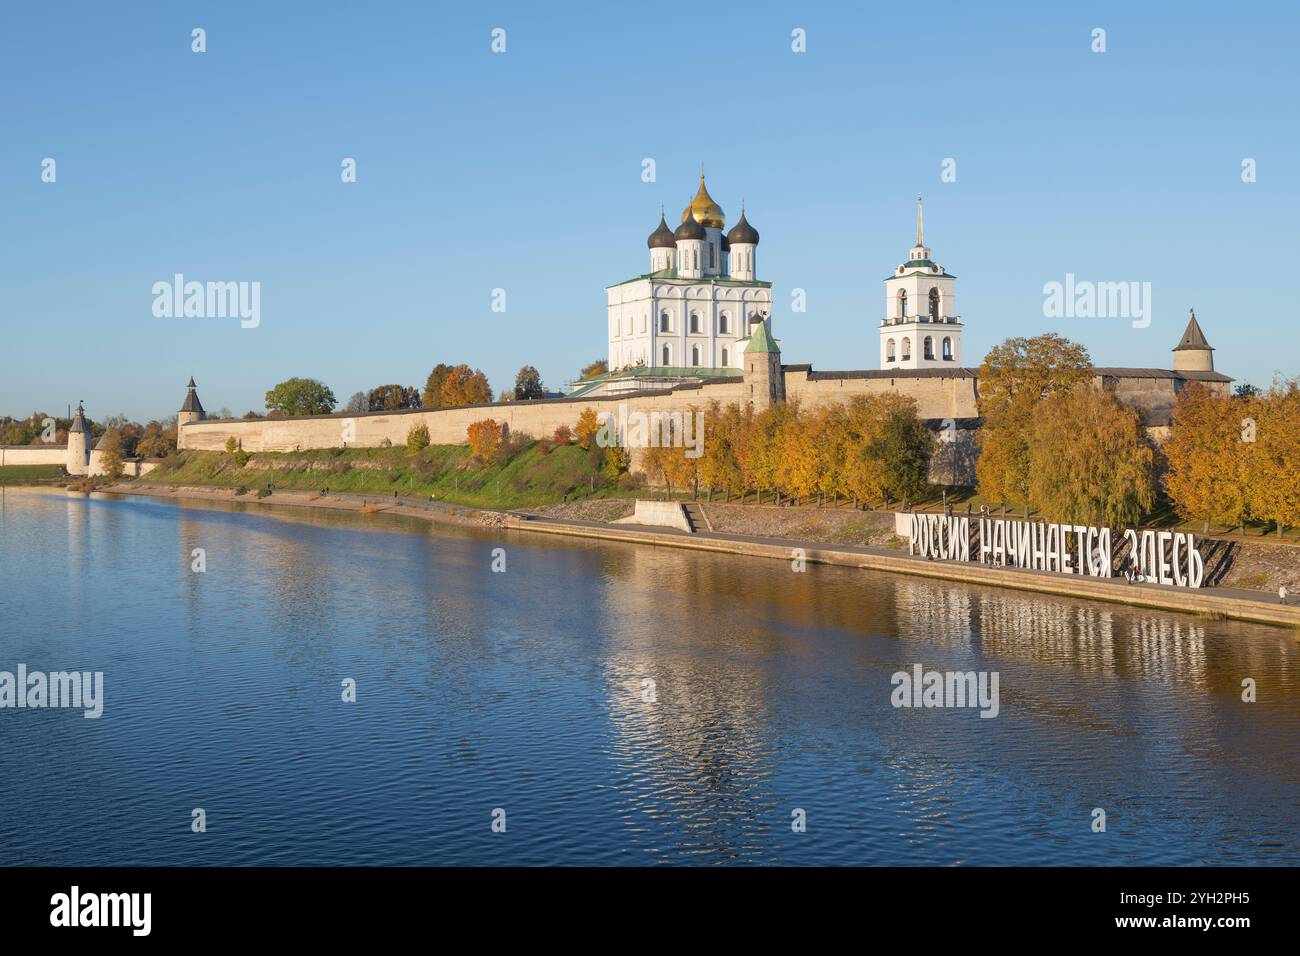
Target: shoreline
[{"x": 1230, "y": 603}]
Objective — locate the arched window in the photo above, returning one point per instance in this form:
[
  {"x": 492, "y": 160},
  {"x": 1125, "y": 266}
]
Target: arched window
[
  {"x": 725, "y": 362},
  {"x": 695, "y": 355},
  {"x": 902, "y": 304},
  {"x": 667, "y": 356},
  {"x": 929, "y": 348},
  {"x": 889, "y": 351},
  {"x": 663, "y": 321},
  {"x": 722, "y": 324},
  {"x": 695, "y": 323},
  {"x": 907, "y": 347},
  {"x": 934, "y": 305},
  {"x": 947, "y": 350}
]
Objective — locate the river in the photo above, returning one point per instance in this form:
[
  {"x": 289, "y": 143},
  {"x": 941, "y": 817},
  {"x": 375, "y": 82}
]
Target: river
[{"x": 524, "y": 697}]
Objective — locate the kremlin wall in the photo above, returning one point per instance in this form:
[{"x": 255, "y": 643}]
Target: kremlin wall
[{"x": 694, "y": 330}]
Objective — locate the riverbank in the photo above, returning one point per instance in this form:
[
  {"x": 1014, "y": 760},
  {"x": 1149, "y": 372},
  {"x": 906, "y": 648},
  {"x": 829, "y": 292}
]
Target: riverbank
[{"x": 1225, "y": 602}]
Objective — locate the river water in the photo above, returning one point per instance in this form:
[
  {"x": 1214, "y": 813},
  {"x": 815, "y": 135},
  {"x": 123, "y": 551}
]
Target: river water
[{"x": 522, "y": 697}]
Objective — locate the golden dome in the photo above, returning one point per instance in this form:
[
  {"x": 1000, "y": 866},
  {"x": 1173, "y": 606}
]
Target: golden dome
[{"x": 704, "y": 209}]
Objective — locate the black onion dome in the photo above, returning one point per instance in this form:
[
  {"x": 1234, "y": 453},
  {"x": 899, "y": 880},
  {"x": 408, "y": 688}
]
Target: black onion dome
[
  {"x": 689, "y": 229},
  {"x": 742, "y": 231},
  {"x": 661, "y": 238}
]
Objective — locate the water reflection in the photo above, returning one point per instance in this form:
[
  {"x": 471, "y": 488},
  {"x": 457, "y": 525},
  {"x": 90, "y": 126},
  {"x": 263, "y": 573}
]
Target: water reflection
[{"x": 527, "y": 689}]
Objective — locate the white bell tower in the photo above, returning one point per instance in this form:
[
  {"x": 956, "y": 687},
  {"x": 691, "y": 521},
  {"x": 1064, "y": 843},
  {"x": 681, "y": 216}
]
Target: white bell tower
[{"x": 921, "y": 327}]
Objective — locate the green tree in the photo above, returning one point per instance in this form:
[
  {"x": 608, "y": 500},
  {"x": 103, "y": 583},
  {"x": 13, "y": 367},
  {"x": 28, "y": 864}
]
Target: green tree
[
  {"x": 528, "y": 384},
  {"x": 301, "y": 396}
]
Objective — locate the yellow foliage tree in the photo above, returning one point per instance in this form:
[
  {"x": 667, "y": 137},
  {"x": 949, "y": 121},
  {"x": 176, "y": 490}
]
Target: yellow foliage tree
[
  {"x": 1089, "y": 459},
  {"x": 1014, "y": 378},
  {"x": 1275, "y": 475},
  {"x": 587, "y": 427},
  {"x": 484, "y": 439},
  {"x": 1209, "y": 475}
]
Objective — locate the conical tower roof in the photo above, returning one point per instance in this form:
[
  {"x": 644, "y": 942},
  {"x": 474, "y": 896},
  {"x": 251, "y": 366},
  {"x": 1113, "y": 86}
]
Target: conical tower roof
[
  {"x": 192, "y": 403},
  {"x": 1193, "y": 337},
  {"x": 79, "y": 421},
  {"x": 760, "y": 340}
]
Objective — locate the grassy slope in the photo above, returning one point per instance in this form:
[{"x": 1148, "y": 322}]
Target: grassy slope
[
  {"x": 445, "y": 471},
  {"x": 22, "y": 472}
]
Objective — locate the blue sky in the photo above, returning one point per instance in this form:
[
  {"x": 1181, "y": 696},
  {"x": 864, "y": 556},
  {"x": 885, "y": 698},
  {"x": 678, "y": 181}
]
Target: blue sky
[{"x": 522, "y": 171}]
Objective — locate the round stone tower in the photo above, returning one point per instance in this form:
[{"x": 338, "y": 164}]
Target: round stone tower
[
  {"x": 1193, "y": 353},
  {"x": 78, "y": 461}
]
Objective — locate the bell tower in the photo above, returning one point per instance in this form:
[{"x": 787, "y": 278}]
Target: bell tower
[{"x": 921, "y": 328}]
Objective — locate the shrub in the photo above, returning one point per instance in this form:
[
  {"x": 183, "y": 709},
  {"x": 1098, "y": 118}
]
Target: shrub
[
  {"x": 240, "y": 458},
  {"x": 588, "y": 426},
  {"x": 544, "y": 447},
  {"x": 264, "y": 492},
  {"x": 231, "y": 445},
  {"x": 241, "y": 490},
  {"x": 417, "y": 439},
  {"x": 563, "y": 435}
]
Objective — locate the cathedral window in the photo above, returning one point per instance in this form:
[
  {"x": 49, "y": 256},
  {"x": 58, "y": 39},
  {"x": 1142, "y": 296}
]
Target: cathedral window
[
  {"x": 667, "y": 356},
  {"x": 725, "y": 363},
  {"x": 722, "y": 323},
  {"x": 695, "y": 323},
  {"x": 947, "y": 350},
  {"x": 663, "y": 321},
  {"x": 695, "y": 355}
]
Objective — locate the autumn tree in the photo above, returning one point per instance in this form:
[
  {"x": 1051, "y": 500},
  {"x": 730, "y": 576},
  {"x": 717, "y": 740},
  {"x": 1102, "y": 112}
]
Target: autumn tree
[
  {"x": 1013, "y": 379},
  {"x": 528, "y": 384},
  {"x": 1209, "y": 465},
  {"x": 588, "y": 425},
  {"x": 301, "y": 396},
  {"x": 598, "y": 367},
  {"x": 111, "y": 446},
  {"x": 390, "y": 398},
  {"x": 1275, "y": 471},
  {"x": 1089, "y": 459},
  {"x": 432, "y": 395},
  {"x": 465, "y": 386},
  {"x": 154, "y": 442},
  {"x": 358, "y": 403},
  {"x": 484, "y": 437}
]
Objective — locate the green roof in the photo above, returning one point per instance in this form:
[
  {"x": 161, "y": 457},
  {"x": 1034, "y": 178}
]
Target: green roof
[
  {"x": 713, "y": 280},
  {"x": 761, "y": 340}
]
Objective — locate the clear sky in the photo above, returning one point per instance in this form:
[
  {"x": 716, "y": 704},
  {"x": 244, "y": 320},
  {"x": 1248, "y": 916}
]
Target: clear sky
[{"x": 522, "y": 171}]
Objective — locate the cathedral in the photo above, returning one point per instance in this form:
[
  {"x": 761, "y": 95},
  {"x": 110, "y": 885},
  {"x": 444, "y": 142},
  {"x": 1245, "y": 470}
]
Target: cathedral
[{"x": 693, "y": 313}]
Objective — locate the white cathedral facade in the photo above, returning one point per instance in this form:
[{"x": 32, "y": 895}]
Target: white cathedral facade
[
  {"x": 691, "y": 315},
  {"x": 693, "y": 311}
]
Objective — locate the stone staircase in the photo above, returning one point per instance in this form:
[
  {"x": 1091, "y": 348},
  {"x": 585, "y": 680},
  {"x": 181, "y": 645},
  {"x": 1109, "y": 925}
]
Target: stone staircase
[{"x": 699, "y": 521}]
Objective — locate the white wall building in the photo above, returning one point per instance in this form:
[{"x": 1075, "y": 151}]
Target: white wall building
[
  {"x": 921, "y": 327},
  {"x": 693, "y": 309}
]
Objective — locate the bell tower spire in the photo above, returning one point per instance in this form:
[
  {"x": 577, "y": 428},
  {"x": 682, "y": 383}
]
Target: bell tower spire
[{"x": 920, "y": 242}]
